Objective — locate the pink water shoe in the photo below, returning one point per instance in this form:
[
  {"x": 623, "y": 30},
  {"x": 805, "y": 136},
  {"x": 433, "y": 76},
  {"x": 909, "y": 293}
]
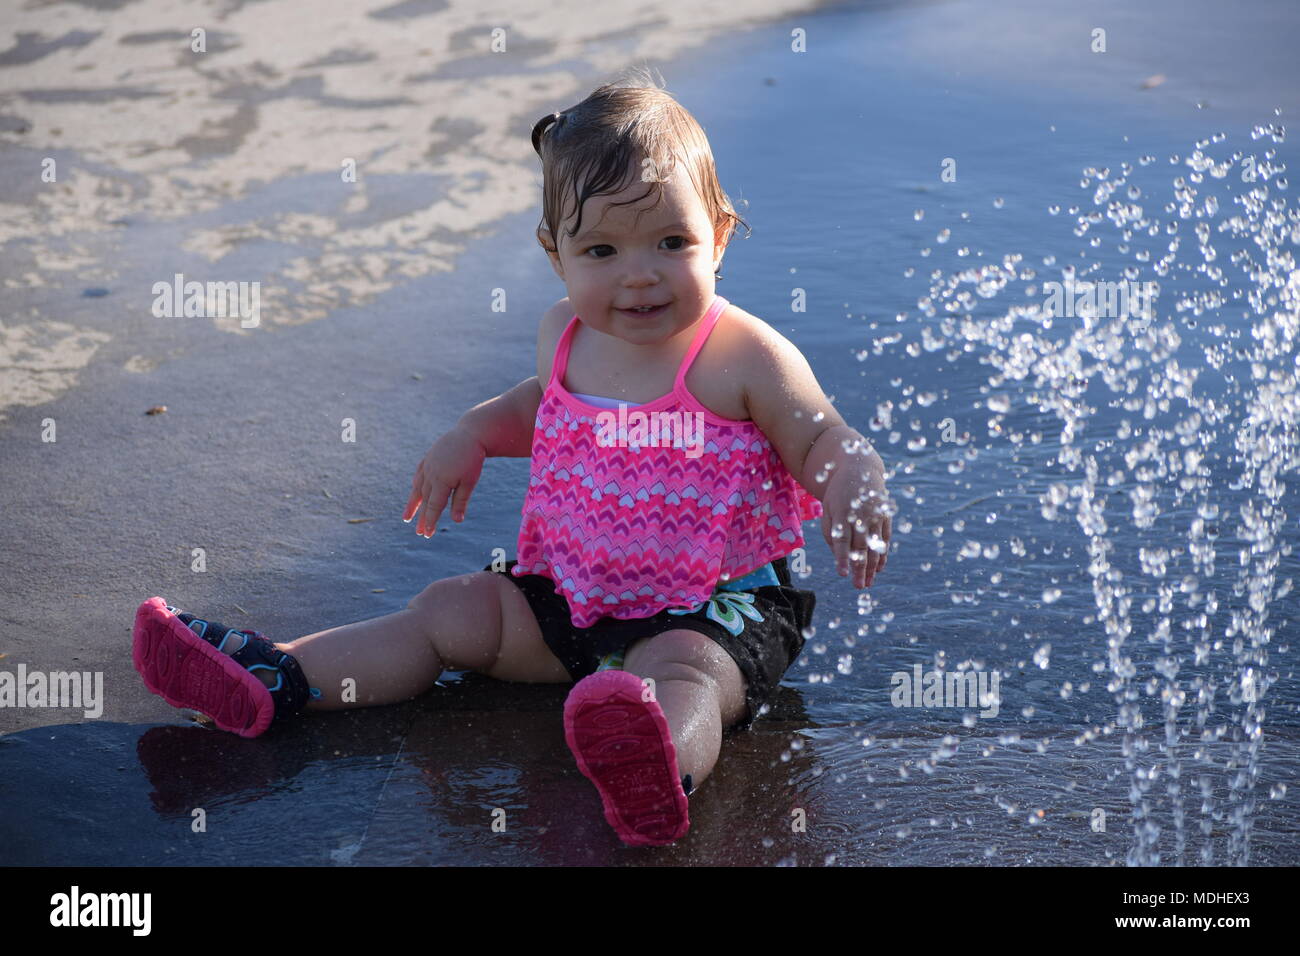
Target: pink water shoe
[{"x": 622, "y": 744}]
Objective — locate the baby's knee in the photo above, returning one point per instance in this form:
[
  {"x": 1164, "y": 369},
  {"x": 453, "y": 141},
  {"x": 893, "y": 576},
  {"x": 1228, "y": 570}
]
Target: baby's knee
[
  {"x": 444, "y": 595},
  {"x": 684, "y": 655}
]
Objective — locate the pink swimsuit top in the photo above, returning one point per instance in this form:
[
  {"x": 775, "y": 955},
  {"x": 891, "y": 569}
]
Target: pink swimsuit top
[{"x": 631, "y": 511}]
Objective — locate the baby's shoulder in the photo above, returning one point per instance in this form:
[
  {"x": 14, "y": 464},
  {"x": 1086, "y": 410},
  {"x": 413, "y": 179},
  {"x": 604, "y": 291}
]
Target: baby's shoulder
[
  {"x": 741, "y": 331},
  {"x": 752, "y": 354},
  {"x": 744, "y": 342},
  {"x": 732, "y": 362}
]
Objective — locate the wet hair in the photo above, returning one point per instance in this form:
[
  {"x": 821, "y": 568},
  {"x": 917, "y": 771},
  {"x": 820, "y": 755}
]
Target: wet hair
[{"x": 588, "y": 150}]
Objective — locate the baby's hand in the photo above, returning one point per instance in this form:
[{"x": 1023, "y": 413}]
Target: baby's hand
[
  {"x": 855, "y": 517},
  {"x": 454, "y": 463}
]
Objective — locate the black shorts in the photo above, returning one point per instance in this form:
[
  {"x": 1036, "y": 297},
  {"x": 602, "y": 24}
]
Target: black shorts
[{"x": 760, "y": 627}]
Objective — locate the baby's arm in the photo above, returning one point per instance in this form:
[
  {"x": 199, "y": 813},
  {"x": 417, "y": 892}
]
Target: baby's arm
[
  {"x": 504, "y": 425},
  {"x": 451, "y": 468},
  {"x": 501, "y": 427},
  {"x": 832, "y": 460}
]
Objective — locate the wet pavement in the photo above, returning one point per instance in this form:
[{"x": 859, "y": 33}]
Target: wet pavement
[{"x": 377, "y": 307}]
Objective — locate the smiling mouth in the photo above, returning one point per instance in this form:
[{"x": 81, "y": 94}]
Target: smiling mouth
[{"x": 652, "y": 310}]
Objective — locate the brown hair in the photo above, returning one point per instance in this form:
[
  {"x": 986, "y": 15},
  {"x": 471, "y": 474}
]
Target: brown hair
[{"x": 587, "y": 150}]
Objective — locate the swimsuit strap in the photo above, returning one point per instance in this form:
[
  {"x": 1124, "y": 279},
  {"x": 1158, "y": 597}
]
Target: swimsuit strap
[
  {"x": 562, "y": 347},
  {"x": 561, "y": 360},
  {"x": 706, "y": 326}
]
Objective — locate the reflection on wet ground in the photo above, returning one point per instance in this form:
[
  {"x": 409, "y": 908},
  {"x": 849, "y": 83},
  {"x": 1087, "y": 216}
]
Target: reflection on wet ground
[{"x": 476, "y": 772}]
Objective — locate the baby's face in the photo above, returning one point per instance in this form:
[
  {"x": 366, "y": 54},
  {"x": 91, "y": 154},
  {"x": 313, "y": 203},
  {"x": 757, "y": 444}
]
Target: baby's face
[{"x": 634, "y": 254}]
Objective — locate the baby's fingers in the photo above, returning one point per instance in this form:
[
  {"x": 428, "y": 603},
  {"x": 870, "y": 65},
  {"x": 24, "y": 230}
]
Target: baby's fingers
[
  {"x": 848, "y": 560},
  {"x": 839, "y": 545},
  {"x": 886, "y": 533},
  {"x": 875, "y": 550},
  {"x": 417, "y": 493},
  {"x": 435, "y": 500},
  {"x": 864, "y": 565},
  {"x": 412, "y": 504},
  {"x": 460, "y": 500}
]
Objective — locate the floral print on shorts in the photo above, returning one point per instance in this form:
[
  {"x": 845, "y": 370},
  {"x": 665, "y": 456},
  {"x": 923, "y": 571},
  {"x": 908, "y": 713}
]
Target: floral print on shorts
[{"x": 728, "y": 608}]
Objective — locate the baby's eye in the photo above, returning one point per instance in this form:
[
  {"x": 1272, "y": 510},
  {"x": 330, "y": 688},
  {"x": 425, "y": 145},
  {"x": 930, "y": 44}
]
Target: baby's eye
[{"x": 681, "y": 239}]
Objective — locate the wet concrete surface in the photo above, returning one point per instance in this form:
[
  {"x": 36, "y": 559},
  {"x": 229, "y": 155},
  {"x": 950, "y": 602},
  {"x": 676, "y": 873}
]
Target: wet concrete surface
[
  {"x": 475, "y": 772},
  {"x": 247, "y": 462}
]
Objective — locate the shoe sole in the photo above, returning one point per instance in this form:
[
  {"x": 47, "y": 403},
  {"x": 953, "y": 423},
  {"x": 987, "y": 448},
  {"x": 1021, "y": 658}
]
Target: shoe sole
[
  {"x": 187, "y": 671},
  {"x": 623, "y": 745}
]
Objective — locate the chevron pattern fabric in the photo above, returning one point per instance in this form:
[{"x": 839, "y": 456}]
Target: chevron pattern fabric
[{"x": 627, "y": 531}]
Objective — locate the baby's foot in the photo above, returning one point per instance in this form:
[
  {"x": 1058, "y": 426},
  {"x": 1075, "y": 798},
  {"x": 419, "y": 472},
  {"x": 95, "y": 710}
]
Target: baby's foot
[
  {"x": 225, "y": 639},
  {"x": 623, "y": 745},
  {"x": 179, "y": 661},
  {"x": 208, "y": 667}
]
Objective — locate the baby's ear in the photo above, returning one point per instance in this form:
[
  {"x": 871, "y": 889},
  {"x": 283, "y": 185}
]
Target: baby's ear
[
  {"x": 718, "y": 253},
  {"x": 545, "y": 241},
  {"x": 720, "y": 240}
]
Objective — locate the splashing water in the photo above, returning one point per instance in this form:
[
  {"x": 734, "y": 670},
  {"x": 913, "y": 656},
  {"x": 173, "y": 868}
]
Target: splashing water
[{"x": 1171, "y": 365}]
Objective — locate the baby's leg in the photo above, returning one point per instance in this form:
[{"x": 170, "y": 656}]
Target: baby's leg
[
  {"x": 700, "y": 689},
  {"x": 475, "y": 621}
]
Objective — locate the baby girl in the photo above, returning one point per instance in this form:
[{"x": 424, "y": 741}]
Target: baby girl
[{"x": 677, "y": 444}]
